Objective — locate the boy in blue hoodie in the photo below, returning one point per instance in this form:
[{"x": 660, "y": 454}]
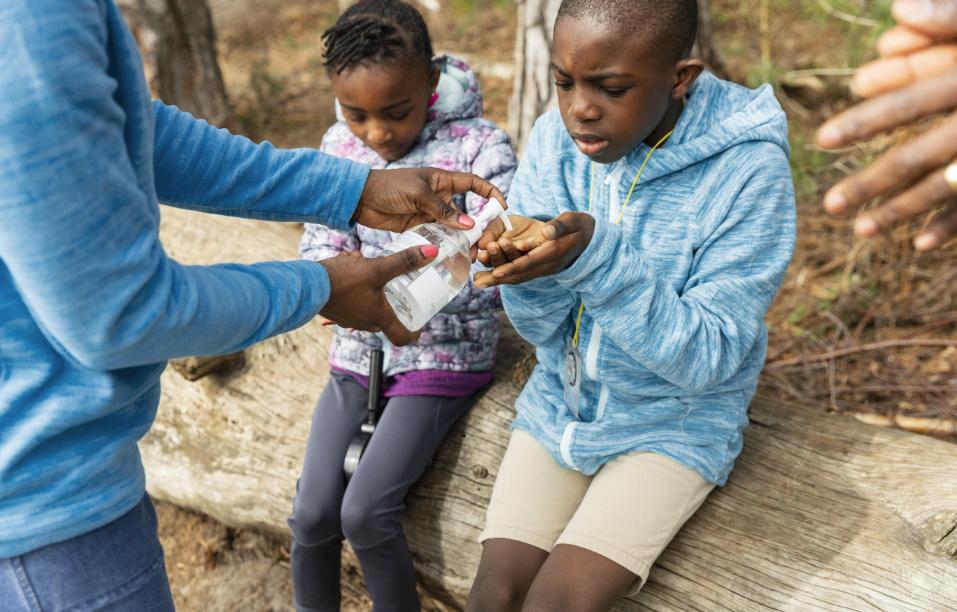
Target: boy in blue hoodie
[{"x": 671, "y": 213}]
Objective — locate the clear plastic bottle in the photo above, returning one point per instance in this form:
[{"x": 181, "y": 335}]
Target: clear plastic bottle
[{"x": 418, "y": 296}]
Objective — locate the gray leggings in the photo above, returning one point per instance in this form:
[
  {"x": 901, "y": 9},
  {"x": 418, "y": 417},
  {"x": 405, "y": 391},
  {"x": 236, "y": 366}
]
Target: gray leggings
[{"x": 366, "y": 512}]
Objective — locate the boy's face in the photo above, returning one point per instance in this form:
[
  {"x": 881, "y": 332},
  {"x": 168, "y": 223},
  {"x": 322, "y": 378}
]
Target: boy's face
[
  {"x": 613, "y": 88},
  {"x": 385, "y": 105}
]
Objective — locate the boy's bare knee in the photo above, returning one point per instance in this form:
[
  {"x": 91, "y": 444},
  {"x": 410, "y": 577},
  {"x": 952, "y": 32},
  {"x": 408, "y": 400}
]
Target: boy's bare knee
[
  {"x": 495, "y": 594},
  {"x": 554, "y": 601}
]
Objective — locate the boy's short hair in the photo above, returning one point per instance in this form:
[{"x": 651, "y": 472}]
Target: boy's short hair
[
  {"x": 373, "y": 31},
  {"x": 672, "y": 25}
]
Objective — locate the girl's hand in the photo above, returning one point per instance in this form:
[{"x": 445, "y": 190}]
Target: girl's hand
[
  {"x": 562, "y": 240},
  {"x": 501, "y": 247}
]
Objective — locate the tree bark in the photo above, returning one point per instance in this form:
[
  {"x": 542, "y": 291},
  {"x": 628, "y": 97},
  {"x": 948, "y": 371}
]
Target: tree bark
[
  {"x": 822, "y": 512},
  {"x": 178, "y": 43},
  {"x": 705, "y": 47},
  {"x": 532, "y": 89}
]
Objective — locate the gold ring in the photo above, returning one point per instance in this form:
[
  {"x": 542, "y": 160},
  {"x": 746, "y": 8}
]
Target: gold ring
[{"x": 950, "y": 175}]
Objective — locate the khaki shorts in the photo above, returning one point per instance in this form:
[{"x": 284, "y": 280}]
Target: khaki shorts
[{"x": 627, "y": 512}]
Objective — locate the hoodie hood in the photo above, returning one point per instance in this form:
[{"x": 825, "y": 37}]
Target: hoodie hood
[
  {"x": 718, "y": 116},
  {"x": 459, "y": 96}
]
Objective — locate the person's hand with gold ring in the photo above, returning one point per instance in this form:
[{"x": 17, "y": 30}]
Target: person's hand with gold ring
[{"x": 915, "y": 79}]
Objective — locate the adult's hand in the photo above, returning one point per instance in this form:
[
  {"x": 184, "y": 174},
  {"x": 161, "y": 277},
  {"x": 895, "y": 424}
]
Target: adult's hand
[
  {"x": 936, "y": 19},
  {"x": 396, "y": 200},
  {"x": 356, "y": 299},
  {"x": 564, "y": 238},
  {"x": 915, "y": 79}
]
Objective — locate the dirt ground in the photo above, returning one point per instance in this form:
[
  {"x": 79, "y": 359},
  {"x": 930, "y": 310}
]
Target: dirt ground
[{"x": 857, "y": 326}]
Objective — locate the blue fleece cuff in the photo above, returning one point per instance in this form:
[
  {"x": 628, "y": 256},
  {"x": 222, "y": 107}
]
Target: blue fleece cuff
[
  {"x": 603, "y": 243},
  {"x": 345, "y": 178}
]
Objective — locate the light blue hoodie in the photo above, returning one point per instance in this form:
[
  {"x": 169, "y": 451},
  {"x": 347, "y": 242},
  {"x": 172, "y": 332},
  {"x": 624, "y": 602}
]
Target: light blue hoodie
[{"x": 673, "y": 336}]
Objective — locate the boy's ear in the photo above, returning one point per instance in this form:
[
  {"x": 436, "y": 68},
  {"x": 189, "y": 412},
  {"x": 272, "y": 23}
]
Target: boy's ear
[
  {"x": 436, "y": 74},
  {"x": 687, "y": 72}
]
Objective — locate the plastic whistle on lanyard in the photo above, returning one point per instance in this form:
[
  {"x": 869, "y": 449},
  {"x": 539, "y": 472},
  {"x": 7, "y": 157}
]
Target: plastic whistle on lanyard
[{"x": 572, "y": 373}]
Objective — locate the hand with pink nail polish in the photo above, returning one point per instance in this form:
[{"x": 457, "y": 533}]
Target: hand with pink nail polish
[
  {"x": 914, "y": 79},
  {"x": 356, "y": 299},
  {"x": 397, "y": 200}
]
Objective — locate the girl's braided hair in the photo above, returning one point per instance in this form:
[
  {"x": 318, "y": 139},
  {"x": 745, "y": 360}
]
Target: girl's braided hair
[{"x": 372, "y": 31}]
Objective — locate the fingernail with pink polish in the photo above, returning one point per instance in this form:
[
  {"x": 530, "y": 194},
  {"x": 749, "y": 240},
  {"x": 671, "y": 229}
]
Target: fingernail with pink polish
[
  {"x": 429, "y": 250},
  {"x": 466, "y": 220}
]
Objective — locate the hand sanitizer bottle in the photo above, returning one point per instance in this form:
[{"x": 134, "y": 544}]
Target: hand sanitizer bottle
[{"x": 418, "y": 296}]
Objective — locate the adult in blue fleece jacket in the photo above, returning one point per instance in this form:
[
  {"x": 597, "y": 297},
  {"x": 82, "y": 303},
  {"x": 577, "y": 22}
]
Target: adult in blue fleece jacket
[{"x": 91, "y": 307}]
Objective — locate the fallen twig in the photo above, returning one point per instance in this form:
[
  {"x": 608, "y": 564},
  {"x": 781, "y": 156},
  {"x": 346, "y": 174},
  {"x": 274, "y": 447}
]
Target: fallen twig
[
  {"x": 921, "y": 425},
  {"x": 828, "y": 8},
  {"x": 874, "y": 346}
]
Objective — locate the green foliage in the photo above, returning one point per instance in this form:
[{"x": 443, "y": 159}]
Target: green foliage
[{"x": 465, "y": 8}]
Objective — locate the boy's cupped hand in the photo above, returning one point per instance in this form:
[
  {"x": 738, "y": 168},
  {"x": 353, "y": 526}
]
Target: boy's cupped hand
[{"x": 534, "y": 249}]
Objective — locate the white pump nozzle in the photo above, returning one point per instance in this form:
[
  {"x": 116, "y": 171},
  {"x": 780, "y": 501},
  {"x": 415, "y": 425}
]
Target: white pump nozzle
[{"x": 491, "y": 211}]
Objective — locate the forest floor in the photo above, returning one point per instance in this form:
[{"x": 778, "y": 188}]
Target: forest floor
[{"x": 849, "y": 331}]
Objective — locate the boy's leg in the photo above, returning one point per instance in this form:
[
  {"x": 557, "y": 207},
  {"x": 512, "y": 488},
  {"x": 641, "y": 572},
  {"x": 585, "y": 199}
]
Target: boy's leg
[
  {"x": 578, "y": 579},
  {"x": 316, "y": 531},
  {"x": 405, "y": 439},
  {"x": 505, "y": 573},
  {"x": 633, "y": 508},
  {"x": 532, "y": 502}
]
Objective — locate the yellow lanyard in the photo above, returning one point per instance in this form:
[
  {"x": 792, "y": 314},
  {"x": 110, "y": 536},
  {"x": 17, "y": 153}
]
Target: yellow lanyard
[{"x": 621, "y": 214}]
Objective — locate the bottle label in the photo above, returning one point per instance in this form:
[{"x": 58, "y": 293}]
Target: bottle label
[
  {"x": 430, "y": 291},
  {"x": 425, "y": 285},
  {"x": 405, "y": 241}
]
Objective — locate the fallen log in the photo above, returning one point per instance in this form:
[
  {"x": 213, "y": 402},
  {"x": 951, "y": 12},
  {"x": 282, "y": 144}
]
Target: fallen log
[{"x": 822, "y": 511}]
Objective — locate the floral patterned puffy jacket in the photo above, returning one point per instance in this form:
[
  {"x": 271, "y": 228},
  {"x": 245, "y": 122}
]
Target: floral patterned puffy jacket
[{"x": 461, "y": 338}]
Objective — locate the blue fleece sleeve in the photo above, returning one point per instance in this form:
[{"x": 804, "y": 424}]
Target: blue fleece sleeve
[
  {"x": 79, "y": 235},
  {"x": 699, "y": 337},
  {"x": 204, "y": 168},
  {"x": 540, "y": 308}
]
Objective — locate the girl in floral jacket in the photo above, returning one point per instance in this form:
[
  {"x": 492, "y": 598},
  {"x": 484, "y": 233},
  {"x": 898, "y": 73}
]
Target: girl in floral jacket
[{"x": 398, "y": 106}]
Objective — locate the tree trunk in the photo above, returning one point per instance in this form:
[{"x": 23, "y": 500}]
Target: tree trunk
[
  {"x": 705, "y": 47},
  {"x": 822, "y": 512},
  {"x": 178, "y": 43},
  {"x": 532, "y": 89}
]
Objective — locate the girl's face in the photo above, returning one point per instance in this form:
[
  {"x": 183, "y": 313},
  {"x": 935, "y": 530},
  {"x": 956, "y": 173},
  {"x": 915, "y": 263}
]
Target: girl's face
[{"x": 386, "y": 105}]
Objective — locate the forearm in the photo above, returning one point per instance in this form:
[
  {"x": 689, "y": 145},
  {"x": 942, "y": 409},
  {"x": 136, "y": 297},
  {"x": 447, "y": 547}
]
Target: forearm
[
  {"x": 539, "y": 309},
  {"x": 696, "y": 339},
  {"x": 200, "y": 167},
  {"x": 78, "y": 229}
]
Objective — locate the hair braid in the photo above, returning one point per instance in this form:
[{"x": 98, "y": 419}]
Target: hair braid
[{"x": 375, "y": 31}]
